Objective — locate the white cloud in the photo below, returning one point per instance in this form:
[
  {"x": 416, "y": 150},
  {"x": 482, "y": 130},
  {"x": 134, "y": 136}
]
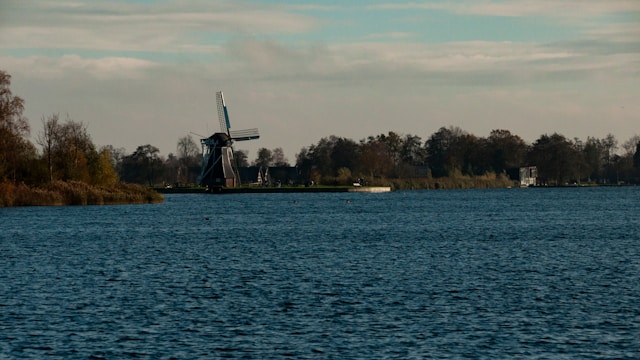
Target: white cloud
[
  {"x": 396, "y": 35},
  {"x": 76, "y": 66},
  {"x": 520, "y": 8},
  {"x": 116, "y": 26},
  {"x": 460, "y": 63}
]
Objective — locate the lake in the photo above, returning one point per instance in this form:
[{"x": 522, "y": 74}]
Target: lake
[{"x": 510, "y": 273}]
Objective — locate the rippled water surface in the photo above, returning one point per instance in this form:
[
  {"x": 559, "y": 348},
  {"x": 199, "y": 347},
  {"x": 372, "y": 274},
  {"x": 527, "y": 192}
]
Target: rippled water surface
[{"x": 520, "y": 273}]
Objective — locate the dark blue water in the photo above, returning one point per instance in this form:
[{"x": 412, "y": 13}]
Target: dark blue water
[{"x": 520, "y": 273}]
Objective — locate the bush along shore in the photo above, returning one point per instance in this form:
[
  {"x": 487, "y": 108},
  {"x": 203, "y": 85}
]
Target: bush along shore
[{"x": 60, "y": 193}]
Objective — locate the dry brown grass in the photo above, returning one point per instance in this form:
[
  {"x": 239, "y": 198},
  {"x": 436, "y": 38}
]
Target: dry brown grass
[
  {"x": 74, "y": 193},
  {"x": 489, "y": 181}
]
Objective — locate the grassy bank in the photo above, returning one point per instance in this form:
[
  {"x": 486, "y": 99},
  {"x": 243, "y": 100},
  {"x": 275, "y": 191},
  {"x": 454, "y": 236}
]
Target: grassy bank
[{"x": 60, "y": 193}]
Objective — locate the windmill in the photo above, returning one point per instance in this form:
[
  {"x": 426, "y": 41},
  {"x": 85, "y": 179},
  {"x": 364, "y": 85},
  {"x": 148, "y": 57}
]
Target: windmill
[{"x": 219, "y": 169}]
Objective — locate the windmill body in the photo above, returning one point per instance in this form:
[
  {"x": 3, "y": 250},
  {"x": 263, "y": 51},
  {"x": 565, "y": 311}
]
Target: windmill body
[{"x": 219, "y": 169}]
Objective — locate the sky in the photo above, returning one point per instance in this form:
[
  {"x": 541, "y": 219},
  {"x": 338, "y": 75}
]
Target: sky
[{"x": 142, "y": 72}]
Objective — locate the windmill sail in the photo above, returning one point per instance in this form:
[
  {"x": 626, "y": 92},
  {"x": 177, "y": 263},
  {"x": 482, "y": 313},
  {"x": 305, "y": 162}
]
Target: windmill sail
[
  {"x": 225, "y": 124},
  {"x": 223, "y": 115},
  {"x": 242, "y": 135}
]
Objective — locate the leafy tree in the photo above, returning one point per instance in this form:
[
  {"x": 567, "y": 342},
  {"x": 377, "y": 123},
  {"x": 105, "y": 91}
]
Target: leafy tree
[
  {"x": 345, "y": 154},
  {"x": 143, "y": 166},
  {"x": 402, "y": 151},
  {"x": 344, "y": 176},
  {"x": 320, "y": 155},
  {"x": 325, "y": 158},
  {"x": 68, "y": 149},
  {"x": 411, "y": 150},
  {"x": 393, "y": 142},
  {"x": 505, "y": 150},
  {"x": 70, "y": 154},
  {"x": 376, "y": 159},
  {"x": 14, "y": 129},
  {"x": 264, "y": 159},
  {"x": 304, "y": 162},
  {"x": 103, "y": 172},
  {"x": 74, "y": 150},
  {"x": 443, "y": 155},
  {"x": 469, "y": 156},
  {"x": 558, "y": 161},
  {"x": 117, "y": 156}
]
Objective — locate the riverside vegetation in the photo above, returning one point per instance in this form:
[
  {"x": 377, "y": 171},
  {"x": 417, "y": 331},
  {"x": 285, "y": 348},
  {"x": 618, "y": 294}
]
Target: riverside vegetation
[
  {"x": 69, "y": 169},
  {"x": 74, "y": 193}
]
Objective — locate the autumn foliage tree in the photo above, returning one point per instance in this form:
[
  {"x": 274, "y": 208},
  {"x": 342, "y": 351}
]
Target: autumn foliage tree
[
  {"x": 15, "y": 150},
  {"x": 70, "y": 154}
]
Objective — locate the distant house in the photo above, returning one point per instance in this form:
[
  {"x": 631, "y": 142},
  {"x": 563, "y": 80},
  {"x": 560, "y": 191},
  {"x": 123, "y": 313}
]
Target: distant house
[
  {"x": 526, "y": 176},
  {"x": 274, "y": 175},
  {"x": 284, "y": 175},
  {"x": 251, "y": 175}
]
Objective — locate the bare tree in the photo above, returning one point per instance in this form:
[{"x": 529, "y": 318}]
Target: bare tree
[
  {"x": 630, "y": 145},
  {"x": 241, "y": 157},
  {"x": 610, "y": 145},
  {"x": 278, "y": 158},
  {"x": 47, "y": 138},
  {"x": 187, "y": 148}
]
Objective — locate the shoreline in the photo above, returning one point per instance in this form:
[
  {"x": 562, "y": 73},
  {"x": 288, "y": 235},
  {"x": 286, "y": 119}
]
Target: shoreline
[
  {"x": 347, "y": 189},
  {"x": 275, "y": 190}
]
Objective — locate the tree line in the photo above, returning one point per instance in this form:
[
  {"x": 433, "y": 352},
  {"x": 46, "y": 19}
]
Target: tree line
[
  {"x": 453, "y": 152},
  {"x": 67, "y": 153},
  {"x": 67, "y": 170}
]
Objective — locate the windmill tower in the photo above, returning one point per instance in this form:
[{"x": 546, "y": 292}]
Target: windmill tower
[{"x": 219, "y": 168}]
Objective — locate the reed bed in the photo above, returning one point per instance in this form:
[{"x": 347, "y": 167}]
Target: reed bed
[{"x": 60, "y": 193}]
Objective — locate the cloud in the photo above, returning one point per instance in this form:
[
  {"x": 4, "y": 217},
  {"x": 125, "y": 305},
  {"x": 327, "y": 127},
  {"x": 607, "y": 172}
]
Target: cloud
[
  {"x": 619, "y": 33},
  {"x": 521, "y": 8},
  {"x": 76, "y": 66},
  {"x": 460, "y": 63},
  {"x": 118, "y": 26},
  {"x": 285, "y": 70},
  {"x": 396, "y": 35}
]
